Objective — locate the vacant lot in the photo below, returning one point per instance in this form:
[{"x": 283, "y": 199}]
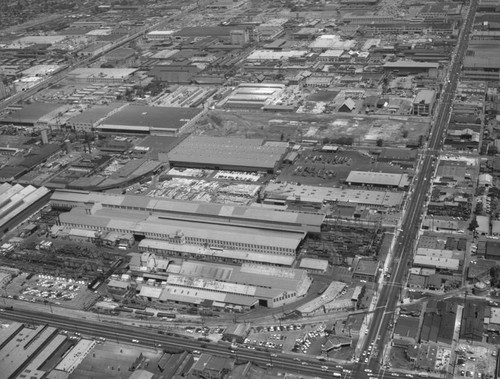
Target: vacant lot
[{"x": 297, "y": 127}]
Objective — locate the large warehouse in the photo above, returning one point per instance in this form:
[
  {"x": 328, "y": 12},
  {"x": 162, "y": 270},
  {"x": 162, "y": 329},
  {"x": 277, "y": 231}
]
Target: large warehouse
[
  {"x": 29, "y": 115},
  {"x": 192, "y": 232},
  {"x": 143, "y": 119},
  {"x": 17, "y": 202},
  {"x": 246, "y": 216},
  {"x": 221, "y": 153},
  {"x": 206, "y": 253}
]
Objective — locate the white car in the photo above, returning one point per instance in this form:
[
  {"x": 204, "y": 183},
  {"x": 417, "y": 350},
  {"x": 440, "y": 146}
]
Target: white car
[{"x": 135, "y": 341}]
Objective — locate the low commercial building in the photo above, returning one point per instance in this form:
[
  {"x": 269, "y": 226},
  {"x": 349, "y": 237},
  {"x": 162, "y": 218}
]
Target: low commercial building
[
  {"x": 82, "y": 235},
  {"x": 365, "y": 269},
  {"x": 379, "y": 179},
  {"x": 397, "y": 155},
  {"x": 492, "y": 250},
  {"x": 211, "y": 366},
  {"x": 314, "y": 265},
  {"x": 406, "y": 331},
  {"x": 436, "y": 262}
]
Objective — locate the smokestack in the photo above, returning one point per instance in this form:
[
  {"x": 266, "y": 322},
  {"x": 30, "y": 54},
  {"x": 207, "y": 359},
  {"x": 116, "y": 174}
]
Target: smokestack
[{"x": 45, "y": 138}]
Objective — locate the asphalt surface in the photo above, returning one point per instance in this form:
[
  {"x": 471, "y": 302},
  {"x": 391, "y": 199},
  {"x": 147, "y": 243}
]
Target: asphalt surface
[{"x": 407, "y": 237}]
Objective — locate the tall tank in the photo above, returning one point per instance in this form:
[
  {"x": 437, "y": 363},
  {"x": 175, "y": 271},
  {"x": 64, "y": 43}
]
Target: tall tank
[{"x": 68, "y": 147}]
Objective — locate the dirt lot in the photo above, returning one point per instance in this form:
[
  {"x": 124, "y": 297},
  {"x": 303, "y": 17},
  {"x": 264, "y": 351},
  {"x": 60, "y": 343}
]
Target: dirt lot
[
  {"x": 293, "y": 126},
  {"x": 474, "y": 360},
  {"x": 399, "y": 360}
]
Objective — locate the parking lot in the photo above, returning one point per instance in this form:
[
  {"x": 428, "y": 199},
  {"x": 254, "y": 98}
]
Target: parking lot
[
  {"x": 298, "y": 338},
  {"x": 475, "y": 362},
  {"x": 51, "y": 290}
]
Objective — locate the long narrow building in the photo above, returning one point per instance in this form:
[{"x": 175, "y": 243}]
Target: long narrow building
[{"x": 221, "y": 214}]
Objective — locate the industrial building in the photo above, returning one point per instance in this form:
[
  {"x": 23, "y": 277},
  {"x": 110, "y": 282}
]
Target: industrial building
[
  {"x": 401, "y": 67},
  {"x": 23, "y": 351},
  {"x": 18, "y": 202},
  {"x": 246, "y": 286},
  {"x": 221, "y": 153},
  {"x": 143, "y": 119},
  {"x": 287, "y": 194},
  {"x": 101, "y": 75},
  {"x": 202, "y": 253},
  {"x": 253, "y": 95},
  {"x": 195, "y": 232},
  {"x": 88, "y": 120},
  {"x": 28, "y": 115},
  {"x": 379, "y": 179},
  {"x": 221, "y": 214},
  {"x": 423, "y": 104}
]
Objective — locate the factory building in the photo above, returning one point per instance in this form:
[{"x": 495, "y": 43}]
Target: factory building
[
  {"x": 203, "y": 253},
  {"x": 220, "y": 214},
  {"x": 244, "y": 286},
  {"x": 17, "y": 202},
  {"x": 192, "y": 232}
]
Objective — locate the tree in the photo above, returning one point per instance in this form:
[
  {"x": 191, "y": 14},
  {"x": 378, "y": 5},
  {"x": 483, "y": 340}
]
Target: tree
[
  {"x": 380, "y": 142},
  {"x": 473, "y": 224},
  {"x": 405, "y": 133}
]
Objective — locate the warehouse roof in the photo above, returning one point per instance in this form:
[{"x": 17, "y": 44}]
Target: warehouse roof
[
  {"x": 249, "y": 256},
  {"x": 425, "y": 96},
  {"x": 441, "y": 263},
  {"x": 234, "y": 214},
  {"x": 395, "y": 154},
  {"x": 314, "y": 264},
  {"x": 141, "y": 222},
  {"x": 103, "y": 73},
  {"x": 407, "y": 326},
  {"x": 221, "y": 151},
  {"x": 410, "y": 64},
  {"x": 261, "y": 55},
  {"x": 29, "y": 114},
  {"x": 151, "y": 117},
  {"x": 378, "y": 178},
  {"x": 441, "y": 253},
  {"x": 94, "y": 114}
]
